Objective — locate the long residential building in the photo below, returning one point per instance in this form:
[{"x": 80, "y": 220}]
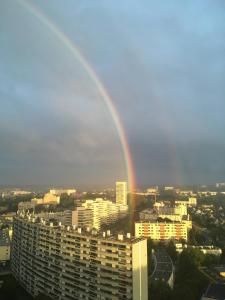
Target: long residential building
[
  {"x": 67, "y": 263},
  {"x": 162, "y": 231}
]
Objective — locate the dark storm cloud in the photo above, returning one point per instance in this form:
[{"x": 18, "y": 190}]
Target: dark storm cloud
[{"x": 162, "y": 62}]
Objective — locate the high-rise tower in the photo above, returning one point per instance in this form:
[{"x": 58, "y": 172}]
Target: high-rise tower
[{"x": 121, "y": 193}]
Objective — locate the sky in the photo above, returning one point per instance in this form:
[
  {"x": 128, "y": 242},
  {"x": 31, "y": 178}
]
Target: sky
[{"x": 162, "y": 63}]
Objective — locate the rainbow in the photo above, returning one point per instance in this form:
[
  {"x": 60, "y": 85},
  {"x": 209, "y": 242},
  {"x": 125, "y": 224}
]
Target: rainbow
[{"x": 74, "y": 50}]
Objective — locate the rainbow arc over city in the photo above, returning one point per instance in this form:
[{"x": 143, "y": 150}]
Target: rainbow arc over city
[{"x": 76, "y": 53}]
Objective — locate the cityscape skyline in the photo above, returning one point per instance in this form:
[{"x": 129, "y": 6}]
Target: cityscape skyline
[{"x": 112, "y": 174}]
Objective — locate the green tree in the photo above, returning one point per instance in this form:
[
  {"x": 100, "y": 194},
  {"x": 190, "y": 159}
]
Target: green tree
[
  {"x": 171, "y": 250},
  {"x": 159, "y": 290}
]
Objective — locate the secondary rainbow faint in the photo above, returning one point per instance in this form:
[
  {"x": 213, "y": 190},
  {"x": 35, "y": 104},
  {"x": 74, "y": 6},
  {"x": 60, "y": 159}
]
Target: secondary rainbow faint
[{"x": 72, "y": 47}]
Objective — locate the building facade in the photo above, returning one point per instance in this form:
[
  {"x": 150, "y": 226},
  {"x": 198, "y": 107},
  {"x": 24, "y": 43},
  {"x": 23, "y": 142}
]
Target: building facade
[
  {"x": 162, "y": 231},
  {"x": 4, "y": 246},
  {"x": 67, "y": 263},
  {"x": 103, "y": 212},
  {"x": 82, "y": 217},
  {"x": 59, "y": 192},
  {"x": 121, "y": 193}
]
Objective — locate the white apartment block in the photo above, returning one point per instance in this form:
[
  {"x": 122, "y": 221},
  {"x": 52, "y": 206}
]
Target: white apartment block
[
  {"x": 121, "y": 193},
  {"x": 66, "y": 263},
  {"x": 104, "y": 211},
  {"x": 82, "y": 217}
]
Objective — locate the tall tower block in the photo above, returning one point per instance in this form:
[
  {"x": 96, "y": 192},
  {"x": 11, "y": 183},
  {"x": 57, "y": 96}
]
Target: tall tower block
[{"x": 121, "y": 193}]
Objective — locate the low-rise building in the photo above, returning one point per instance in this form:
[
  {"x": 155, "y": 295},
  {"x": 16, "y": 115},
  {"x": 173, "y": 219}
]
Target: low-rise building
[{"x": 205, "y": 249}]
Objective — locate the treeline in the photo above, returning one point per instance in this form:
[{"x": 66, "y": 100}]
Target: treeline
[{"x": 190, "y": 283}]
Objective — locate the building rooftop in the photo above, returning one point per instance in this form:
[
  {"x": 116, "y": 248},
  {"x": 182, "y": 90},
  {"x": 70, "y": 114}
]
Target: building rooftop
[
  {"x": 93, "y": 233},
  {"x": 215, "y": 291}
]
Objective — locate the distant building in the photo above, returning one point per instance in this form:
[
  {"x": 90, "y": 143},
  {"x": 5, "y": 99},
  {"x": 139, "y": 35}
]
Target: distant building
[
  {"x": 162, "y": 230},
  {"x": 207, "y": 193},
  {"x": 205, "y": 249},
  {"x": 104, "y": 211},
  {"x": 63, "y": 217},
  {"x": 220, "y": 184},
  {"x": 48, "y": 199},
  {"x": 15, "y": 193},
  {"x": 4, "y": 246},
  {"x": 169, "y": 188},
  {"x": 59, "y": 192},
  {"x": 158, "y": 204},
  {"x": 192, "y": 201},
  {"x": 165, "y": 213},
  {"x": 21, "y": 193},
  {"x": 121, "y": 193},
  {"x": 185, "y": 192},
  {"x": 151, "y": 215},
  {"x": 153, "y": 190},
  {"x": 27, "y": 205},
  {"x": 67, "y": 263},
  {"x": 83, "y": 217}
]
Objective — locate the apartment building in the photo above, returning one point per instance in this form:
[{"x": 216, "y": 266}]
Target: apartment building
[
  {"x": 121, "y": 193},
  {"x": 64, "y": 217},
  {"x": 67, "y": 263},
  {"x": 47, "y": 199},
  {"x": 82, "y": 217},
  {"x": 192, "y": 201},
  {"x": 26, "y": 205},
  {"x": 4, "y": 246},
  {"x": 59, "y": 192},
  {"x": 104, "y": 211},
  {"x": 162, "y": 231}
]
